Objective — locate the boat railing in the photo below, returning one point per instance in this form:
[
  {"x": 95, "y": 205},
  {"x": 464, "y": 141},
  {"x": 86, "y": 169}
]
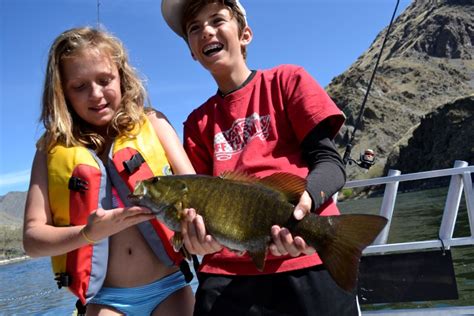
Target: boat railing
[{"x": 460, "y": 183}]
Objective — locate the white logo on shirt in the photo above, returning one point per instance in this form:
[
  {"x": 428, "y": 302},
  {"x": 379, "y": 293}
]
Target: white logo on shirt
[{"x": 233, "y": 140}]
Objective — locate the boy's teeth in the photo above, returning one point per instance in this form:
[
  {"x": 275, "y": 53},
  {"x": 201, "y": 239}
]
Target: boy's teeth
[{"x": 212, "y": 48}]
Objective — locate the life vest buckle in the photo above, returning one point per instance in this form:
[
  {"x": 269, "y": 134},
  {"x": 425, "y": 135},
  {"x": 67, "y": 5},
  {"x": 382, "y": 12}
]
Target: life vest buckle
[
  {"x": 62, "y": 279},
  {"x": 133, "y": 163},
  {"x": 77, "y": 184}
]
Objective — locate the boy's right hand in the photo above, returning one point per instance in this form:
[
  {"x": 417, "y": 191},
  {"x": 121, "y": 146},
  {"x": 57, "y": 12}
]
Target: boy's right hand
[{"x": 194, "y": 235}]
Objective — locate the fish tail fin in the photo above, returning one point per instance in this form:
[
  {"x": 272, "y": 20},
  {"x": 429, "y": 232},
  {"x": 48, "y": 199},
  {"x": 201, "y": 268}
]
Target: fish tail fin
[{"x": 342, "y": 250}]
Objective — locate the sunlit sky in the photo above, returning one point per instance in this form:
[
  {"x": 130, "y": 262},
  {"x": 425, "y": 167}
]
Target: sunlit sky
[{"x": 324, "y": 36}]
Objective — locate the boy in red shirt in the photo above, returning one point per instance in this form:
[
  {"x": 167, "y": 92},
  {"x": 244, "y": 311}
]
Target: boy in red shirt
[{"x": 259, "y": 122}]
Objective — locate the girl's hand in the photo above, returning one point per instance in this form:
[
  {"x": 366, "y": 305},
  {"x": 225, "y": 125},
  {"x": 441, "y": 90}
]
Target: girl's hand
[
  {"x": 194, "y": 235},
  {"x": 104, "y": 223},
  {"x": 283, "y": 242}
]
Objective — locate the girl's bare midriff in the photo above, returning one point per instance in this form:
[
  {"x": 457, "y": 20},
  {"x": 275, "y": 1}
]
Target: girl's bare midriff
[{"x": 132, "y": 263}]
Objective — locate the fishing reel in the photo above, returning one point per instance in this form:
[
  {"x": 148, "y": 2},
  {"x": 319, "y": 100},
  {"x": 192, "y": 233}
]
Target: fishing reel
[{"x": 366, "y": 160}]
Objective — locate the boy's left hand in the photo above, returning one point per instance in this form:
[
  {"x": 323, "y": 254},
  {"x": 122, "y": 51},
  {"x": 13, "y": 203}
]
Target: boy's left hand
[{"x": 283, "y": 242}]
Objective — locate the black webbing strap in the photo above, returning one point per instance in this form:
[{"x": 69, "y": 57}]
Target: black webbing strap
[
  {"x": 184, "y": 267},
  {"x": 81, "y": 309}
]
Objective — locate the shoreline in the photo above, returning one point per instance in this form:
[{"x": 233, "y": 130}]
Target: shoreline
[{"x": 13, "y": 260}]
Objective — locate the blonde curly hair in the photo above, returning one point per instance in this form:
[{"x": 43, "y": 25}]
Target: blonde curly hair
[{"x": 62, "y": 124}]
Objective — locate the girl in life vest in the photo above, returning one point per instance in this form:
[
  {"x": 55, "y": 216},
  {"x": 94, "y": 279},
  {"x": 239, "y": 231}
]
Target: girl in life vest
[{"x": 99, "y": 141}]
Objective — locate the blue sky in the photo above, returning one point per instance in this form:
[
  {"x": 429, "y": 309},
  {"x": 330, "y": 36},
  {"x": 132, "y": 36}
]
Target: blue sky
[{"x": 324, "y": 36}]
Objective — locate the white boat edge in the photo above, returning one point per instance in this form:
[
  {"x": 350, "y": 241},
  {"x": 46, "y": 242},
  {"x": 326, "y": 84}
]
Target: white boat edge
[
  {"x": 434, "y": 311},
  {"x": 460, "y": 183}
]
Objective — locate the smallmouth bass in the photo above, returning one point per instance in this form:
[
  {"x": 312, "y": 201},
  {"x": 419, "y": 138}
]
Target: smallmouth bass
[{"x": 239, "y": 211}]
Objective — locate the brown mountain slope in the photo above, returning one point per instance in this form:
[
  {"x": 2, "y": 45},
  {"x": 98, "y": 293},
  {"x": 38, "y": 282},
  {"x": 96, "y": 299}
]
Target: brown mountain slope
[
  {"x": 12, "y": 207},
  {"x": 444, "y": 135},
  {"x": 428, "y": 61}
]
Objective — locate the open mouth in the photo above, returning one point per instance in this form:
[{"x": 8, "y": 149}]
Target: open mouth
[
  {"x": 212, "y": 49},
  {"x": 99, "y": 107},
  {"x": 135, "y": 198}
]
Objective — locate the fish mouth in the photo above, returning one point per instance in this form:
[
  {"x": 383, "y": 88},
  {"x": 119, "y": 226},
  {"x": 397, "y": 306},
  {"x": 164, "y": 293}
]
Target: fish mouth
[{"x": 135, "y": 198}]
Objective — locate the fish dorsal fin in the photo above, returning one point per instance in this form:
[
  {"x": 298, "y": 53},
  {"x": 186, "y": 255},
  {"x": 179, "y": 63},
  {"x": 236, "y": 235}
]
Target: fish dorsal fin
[
  {"x": 290, "y": 185},
  {"x": 239, "y": 176}
]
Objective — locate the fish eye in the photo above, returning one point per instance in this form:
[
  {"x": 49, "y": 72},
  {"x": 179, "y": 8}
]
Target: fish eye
[{"x": 181, "y": 186}]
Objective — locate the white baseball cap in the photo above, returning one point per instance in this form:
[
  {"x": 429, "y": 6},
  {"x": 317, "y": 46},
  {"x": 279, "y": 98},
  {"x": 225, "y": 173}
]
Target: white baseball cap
[{"x": 172, "y": 11}]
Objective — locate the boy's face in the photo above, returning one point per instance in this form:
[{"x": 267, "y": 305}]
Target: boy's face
[{"x": 213, "y": 37}]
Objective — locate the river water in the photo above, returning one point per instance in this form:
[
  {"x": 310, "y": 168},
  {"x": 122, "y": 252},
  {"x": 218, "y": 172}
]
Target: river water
[{"x": 28, "y": 288}]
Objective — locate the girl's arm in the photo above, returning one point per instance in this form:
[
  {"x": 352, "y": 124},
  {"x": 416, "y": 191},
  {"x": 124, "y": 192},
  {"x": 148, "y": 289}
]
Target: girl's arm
[
  {"x": 171, "y": 143},
  {"x": 41, "y": 238},
  {"x": 193, "y": 229}
]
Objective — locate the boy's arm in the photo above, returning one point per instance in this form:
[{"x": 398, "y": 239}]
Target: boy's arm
[
  {"x": 327, "y": 172},
  {"x": 326, "y": 177}
]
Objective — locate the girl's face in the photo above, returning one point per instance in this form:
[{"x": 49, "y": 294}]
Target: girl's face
[
  {"x": 91, "y": 85},
  {"x": 213, "y": 37}
]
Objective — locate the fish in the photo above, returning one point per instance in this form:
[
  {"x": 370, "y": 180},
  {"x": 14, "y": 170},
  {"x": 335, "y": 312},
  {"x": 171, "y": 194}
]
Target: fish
[{"x": 239, "y": 210}]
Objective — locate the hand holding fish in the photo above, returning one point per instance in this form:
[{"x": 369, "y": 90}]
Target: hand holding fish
[
  {"x": 195, "y": 239},
  {"x": 104, "y": 223},
  {"x": 283, "y": 242}
]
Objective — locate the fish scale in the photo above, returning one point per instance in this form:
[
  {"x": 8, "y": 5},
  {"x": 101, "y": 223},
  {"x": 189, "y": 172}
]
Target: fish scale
[{"x": 231, "y": 214}]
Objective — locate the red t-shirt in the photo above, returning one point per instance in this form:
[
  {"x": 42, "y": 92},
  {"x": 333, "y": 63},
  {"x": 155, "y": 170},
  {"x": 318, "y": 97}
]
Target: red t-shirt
[{"x": 258, "y": 129}]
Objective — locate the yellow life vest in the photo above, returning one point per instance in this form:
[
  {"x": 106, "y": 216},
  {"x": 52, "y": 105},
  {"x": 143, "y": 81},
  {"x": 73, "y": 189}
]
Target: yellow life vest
[{"x": 79, "y": 183}]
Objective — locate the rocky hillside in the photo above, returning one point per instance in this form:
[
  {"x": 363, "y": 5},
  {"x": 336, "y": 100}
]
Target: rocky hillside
[
  {"x": 425, "y": 74},
  {"x": 12, "y": 207},
  {"x": 440, "y": 146}
]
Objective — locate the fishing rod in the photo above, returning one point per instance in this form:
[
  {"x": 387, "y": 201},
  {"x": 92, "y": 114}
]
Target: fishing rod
[
  {"x": 367, "y": 159},
  {"x": 98, "y": 14}
]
